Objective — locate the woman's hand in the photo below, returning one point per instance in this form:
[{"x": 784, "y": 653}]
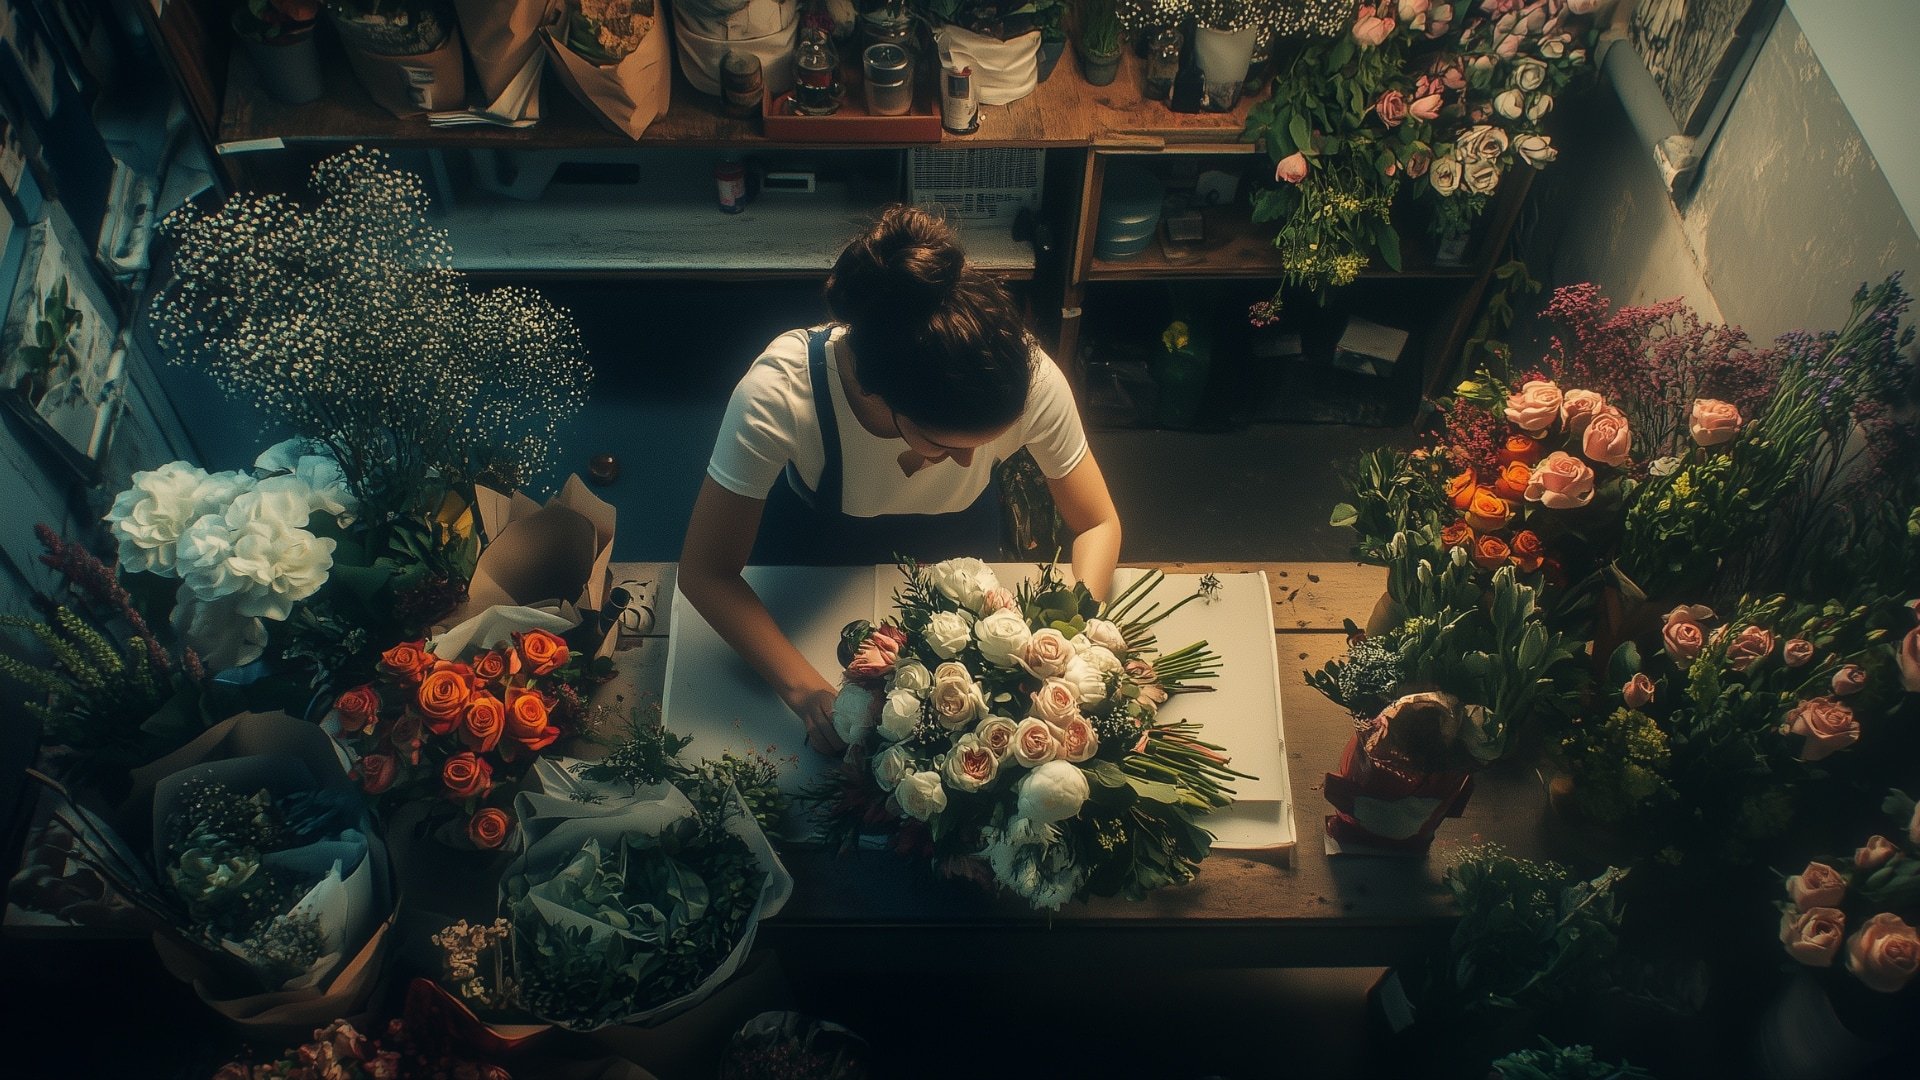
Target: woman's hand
[{"x": 815, "y": 710}]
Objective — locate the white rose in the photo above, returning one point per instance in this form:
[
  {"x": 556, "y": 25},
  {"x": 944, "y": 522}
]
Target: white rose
[
  {"x": 964, "y": 581},
  {"x": 956, "y": 698},
  {"x": 1034, "y": 742},
  {"x": 1087, "y": 681},
  {"x": 279, "y": 566},
  {"x": 853, "y": 713},
  {"x": 1096, "y": 656},
  {"x": 921, "y": 795},
  {"x": 1056, "y": 702},
  {"x": 970, "y": 766},
  {"x": 1529, "y": 74},
  {"x": 1444, "y": 175},
  {"x": 1106, "y": 635},
  {"x": 1511, "y": 104},
  {"x": 1553, "y": 48},
  {"x": 1540, "y": 106},
  {"x": 1665, "y": 466},
  {"x": 1482, "y": 142},
  {"x": 911, "y": 675},
  {"x": 1053, "y": 792},
  {"x": 148, "y": 518},
  {"x": 221, "y": 636},
  {"x": 1046, "y": 653},
  {"x": 996, "y": 734},
  {"x": 1077, "y": 740},
  {"x": 948, "y": 633},
  {"x": 1482, "y": 177},
  {"x": 1001, "y": 636},
  {"x": 899, "y": 715},
  {"x": 1535, "y": 150},
  {"x": 217, "y": 491},
  {"x": 890, "y": 766}
]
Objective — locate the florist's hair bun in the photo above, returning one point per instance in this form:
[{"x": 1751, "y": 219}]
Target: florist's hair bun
[{"x": 902, "y": 268}]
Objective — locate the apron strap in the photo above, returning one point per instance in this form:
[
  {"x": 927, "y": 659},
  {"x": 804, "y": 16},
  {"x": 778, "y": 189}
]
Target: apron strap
[{"x": 827, "y": 494}]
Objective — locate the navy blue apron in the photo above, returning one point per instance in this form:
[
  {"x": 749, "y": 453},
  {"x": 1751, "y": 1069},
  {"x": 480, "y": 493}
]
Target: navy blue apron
[{"x": 805, "y": 527}]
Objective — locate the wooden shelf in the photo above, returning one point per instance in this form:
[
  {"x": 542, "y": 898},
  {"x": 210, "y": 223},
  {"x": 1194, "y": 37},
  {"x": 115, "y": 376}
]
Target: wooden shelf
[
  {"x": 1237, "y": 247},
  {"x": 1062, "y": 112},
  {"x": 670, "y": 226}
]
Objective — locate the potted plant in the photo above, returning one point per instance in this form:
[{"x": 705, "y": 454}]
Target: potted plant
[
  {"x": 278, "y": 38},
  {"x": 1047, "y": 16},
  {"x": 1099, "y": 44}
]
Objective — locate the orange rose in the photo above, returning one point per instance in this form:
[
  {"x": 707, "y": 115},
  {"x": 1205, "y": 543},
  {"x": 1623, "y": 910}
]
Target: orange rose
[
  {"x": 544, "y": 653},
  {"x": 1528, "y": 551},
  {"x": 1521, "y": 448},
  {"x": 375, "y": 773},
  {"x": 358, "y": 708},
  {"x": 409, "y": 660},
  {"x": 1488, "y": 512},
  {"x": 1459, "y": 490},
  {"x": 489, "y": 828},
  {"x": 1512, "y": 481},
  {"x": 442, "y": 697},
  {"x": 1456, "y": 534},
  {"x": 527, "y": 720},
  {"x": 466, "y": 776},
  {"x": 405, "y": 736},
  {"x": 1490, "y": 553},
  {"x": 495, "y": 666},
  {"x": 485, "y": 719}
]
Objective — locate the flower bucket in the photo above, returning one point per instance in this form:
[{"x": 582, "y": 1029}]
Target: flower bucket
[
  {"x": 1003, "y": 71},
  {"x": 704, "y": 42},
  {"x": 408, "y": 67},
  {"x": 1223, "y": 57},
  {"x": 288, "y": 67}
]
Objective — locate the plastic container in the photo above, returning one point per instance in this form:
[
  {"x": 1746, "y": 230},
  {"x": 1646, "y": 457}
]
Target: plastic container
[{"x": 1129, "y": 211}]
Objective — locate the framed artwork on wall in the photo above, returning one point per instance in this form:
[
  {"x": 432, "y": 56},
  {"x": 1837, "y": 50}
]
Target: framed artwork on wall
[
  {"x": 1693, "y": 49},
  {"x": 31, "y": 54},
  {"x": 63, "y": 367}
]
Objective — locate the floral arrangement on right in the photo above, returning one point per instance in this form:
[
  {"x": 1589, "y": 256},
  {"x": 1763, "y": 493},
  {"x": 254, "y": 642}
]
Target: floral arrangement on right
[{"x": 1857, "y": 913}]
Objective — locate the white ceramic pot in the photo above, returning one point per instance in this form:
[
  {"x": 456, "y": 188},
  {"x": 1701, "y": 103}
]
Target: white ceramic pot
[{"x": 1223, "y": 57}]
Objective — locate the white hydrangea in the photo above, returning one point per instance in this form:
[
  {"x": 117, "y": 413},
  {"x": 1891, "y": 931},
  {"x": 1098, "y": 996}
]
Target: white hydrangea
[
  {"x": 307, "y": 463},
  {"x": 221, "y": 636},
  {"x": 259, "y": 553},
  {"x": 149, "y": 518}
]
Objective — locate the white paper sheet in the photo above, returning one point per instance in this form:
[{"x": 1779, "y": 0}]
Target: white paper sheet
[{"x": 713, "y": 697}]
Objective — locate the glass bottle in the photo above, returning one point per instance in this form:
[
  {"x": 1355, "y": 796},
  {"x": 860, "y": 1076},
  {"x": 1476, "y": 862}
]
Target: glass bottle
[
  {"x": 1163, "y": 62},
  {"x": 814, "y": 92}
]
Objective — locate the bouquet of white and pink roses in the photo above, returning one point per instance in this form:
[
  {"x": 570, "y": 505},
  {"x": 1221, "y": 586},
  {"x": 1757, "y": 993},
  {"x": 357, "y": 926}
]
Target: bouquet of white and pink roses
[{"x": 1019, "y": 727}]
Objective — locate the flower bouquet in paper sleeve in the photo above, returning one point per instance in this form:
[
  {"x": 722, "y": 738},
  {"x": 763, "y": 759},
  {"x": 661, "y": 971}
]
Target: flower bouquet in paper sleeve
[
  {"x": 613, "y": 56},
  {"x": 1018, "y": 728}
]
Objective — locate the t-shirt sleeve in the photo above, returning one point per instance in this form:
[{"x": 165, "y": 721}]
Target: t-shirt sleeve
[
  {"x": 1053, "y": 430},
  {"x": 756, "y": 435}
]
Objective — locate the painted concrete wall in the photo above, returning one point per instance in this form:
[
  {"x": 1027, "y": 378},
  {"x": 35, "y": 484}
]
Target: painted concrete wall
[{"x": 1790, "y": 214}]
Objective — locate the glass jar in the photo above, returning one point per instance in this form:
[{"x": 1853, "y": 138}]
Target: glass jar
[
  {"x": 814, "y": 89},
  {"x": 1163, "y": 62}
]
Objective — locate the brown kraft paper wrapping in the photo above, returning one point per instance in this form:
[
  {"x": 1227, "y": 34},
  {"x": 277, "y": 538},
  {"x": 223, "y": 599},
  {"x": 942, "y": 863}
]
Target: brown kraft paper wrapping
[
  {"x": 553, "y": 557},
  {"x": 627, "y": 96},
  {"x": 288, "y": 1014},
  {"x": 414, "y": 85},
  {"x": 501, "y": 35}
]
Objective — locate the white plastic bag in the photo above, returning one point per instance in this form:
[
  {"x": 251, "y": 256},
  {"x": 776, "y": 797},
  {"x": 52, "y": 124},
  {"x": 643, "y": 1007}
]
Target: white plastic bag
[{"x": 1003, "y": 71}]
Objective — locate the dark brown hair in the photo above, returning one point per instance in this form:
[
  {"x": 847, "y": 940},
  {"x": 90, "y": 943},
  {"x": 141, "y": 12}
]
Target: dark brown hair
[{"x": 938, "y": 341}]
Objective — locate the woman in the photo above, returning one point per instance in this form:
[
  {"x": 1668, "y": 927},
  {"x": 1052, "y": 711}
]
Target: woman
[{"x": 931, "y": 378}]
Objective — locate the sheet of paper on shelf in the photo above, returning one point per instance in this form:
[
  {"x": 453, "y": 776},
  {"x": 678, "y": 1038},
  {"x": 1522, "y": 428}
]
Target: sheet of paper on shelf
[{"x": 713, "y": 697}]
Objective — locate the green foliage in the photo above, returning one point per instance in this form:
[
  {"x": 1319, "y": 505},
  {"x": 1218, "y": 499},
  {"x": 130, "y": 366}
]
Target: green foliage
[
  {"x": 1552, "y": 1062},
  {"x": 1099, "y": 27},
  {"x": 649, "y": 754},
  {"x": 1529, "y": 933}
]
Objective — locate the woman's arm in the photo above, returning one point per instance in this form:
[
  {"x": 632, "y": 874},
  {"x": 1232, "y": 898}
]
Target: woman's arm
[
  {"x": 1086, "y": 507},
  {"x": 719, "y": 539}
]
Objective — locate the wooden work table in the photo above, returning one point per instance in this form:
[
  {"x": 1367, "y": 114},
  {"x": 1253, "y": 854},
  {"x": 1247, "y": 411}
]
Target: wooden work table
[{"x": 873, "y": 911}]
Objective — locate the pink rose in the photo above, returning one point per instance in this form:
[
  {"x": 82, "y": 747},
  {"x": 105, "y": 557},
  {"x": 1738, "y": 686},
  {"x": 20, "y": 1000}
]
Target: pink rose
[
  {"x": 1534, "y": 407},
  {"x": 1877, "y": 852},
  {"x": 1827, "y": 725},
  {"x": 1077, "y": 740},
  {"x": 1000, "y": 598},
  {"x": 1638, "y": 691},
  {"x": 1034, "y": 743},
  {"x": 1579, "y": 406},
  {"x": 1682, "y": 635},
  {"x": 1819, "y": 885},
  {"x": 1392, "y": 108},
  {"x": 1884, "y": 953},
  {"x": 1056, "y": 702},
  {"x": 1438, "y": 23},
  {"x": 875, "y": 657},
  {"x": 1370, "y": 30},
  {"x": 1560, "y": 482},
  {"x": 1797, "y": 652},
  {"x": 1046, "y": 654},
  {"x": 1426, "y": 107},
  {"x": 1849, "y": 680},
  {"x": 1713, "y": 422},
  {"x": 1750, "y": 645},
  {"x": 1909, "y": 658},
  {"x": 1607, "y": 439},
  {"x": 1292, "y": 168},
  {"x": 1418, "y": 162},
  {"x": 1410, "y": 10},
  {"x": 1813, "y": 937}
]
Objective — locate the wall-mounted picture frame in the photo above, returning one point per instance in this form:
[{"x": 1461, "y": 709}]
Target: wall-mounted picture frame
[
  {"x": 1694, "y": 48},
  {"x": 62, "y": 358},
  {"x": 32, "y": 56}
]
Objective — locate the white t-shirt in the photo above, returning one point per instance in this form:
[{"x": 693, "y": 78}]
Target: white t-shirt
[{"x": 771, "y": 421}]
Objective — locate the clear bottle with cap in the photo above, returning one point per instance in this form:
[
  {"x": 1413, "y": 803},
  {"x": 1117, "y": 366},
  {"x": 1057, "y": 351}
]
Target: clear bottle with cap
[{"x": 815, "y": 92}]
